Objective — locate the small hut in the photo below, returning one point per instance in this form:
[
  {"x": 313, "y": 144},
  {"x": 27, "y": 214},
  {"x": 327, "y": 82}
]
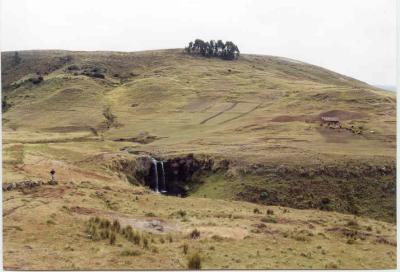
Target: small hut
[{"x": 332, "y": 122}]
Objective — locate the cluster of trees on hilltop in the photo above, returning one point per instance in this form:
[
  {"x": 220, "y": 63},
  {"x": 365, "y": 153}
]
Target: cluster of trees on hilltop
[{"x": 219, "y": 49}]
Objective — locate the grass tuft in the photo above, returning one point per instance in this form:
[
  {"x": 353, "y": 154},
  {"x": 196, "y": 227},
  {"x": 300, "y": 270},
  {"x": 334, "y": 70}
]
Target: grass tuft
[
  {"x": 195, "y": 234},
  {"x": 194, "y": 261}
]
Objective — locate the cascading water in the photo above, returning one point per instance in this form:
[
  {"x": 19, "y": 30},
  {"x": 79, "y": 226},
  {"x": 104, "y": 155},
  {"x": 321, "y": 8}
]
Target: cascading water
[
  {"x": 155, "y": 175},
  {"x": 164, "y": 190}
]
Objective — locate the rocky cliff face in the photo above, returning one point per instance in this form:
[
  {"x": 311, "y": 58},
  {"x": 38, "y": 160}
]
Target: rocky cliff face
[{"x": 351, "y": 187}]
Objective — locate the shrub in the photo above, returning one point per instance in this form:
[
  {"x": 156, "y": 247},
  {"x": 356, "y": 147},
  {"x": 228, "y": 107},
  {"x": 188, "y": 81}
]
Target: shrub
[
  {"x": 351, "y": 241},
  {"x": 150, "y": 214},
  {"x": 195, "y": 234},
  {"x": 105, "y": 223},
  {"x": 73, "y": 68},
  {"x": 5, "y": 105},
  {"x": 217, "y": 238},
  {"x": 325, "y": 204},
  {"x": 181, "y": 213},
  {"x": 93, "y": 233},
  {"x": 36, "y": 80},
  {"x": 162, "y": 241},
  {"x": 170, "y": 239},
  {"x": 194, "y": 262},
  {"x": 104, "y": 234},
  {"x": 268, "y": 220},
  {"x": 352, "y": 223},
  {"x": 145, "y": 242},
  {"x": 331, "y": 266},
  {"x": 256, "y": 211},
  {"x": 263, "y": 195},
  {"x": 127, "y": 252},
  {"x": 112, "y": 238},
  {"x": 116, "y": 225},
  {"x": 110, "y": 118},
  {"x": 185, "y": 248},
  {"x": 136, "y": 238},
  {"x": 154, "y": 249},
  {"x": 50, "y": 222},
  {"x": 127, "y": 231},
  {"x": 270, "y": 212},
  {"x": 300, "y": 238}
]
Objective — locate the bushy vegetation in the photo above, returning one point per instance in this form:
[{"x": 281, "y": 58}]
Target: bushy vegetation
[
  {"x": 36, "y": 79},
  {"x": 268, "y": 219},
  {"x": 256, "y": 211},
  {"x": 102, "y": 229},
  {"x": 5, "y": 105},
  {"x": 110, "y": 118},
  {"x": 195, "y": 234},
  {"x": 194, "y": 261},
  {"x": 217, "y": 49},
  {"x": 185, "y": 248},
  {"x": 128, "y": 252}
]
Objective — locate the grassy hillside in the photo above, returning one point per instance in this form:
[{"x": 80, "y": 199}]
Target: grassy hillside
[{"x": 257, "y": 119}]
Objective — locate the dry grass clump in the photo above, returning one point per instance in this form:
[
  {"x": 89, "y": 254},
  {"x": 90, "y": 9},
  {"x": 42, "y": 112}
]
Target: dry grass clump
[
  {"x": 145, "y": 242},
  {"x": 268, "y": 219},
  {"x": 50, "y": 222},
  {"x": 351, "y": 241},
  {"x": 185, "y": 248},
  {"x": 217, "y": 238},
  {"x": 181, "y": 213},
  {"x": 102, "y": 229},
  {"x": 352, "y": 223},
  {"x": 194, "y": 261},
  {"x": 112, "y": 238},
  {"x": 116, "y": 225},
  {"x": 131, "y": 235},
  {"x": 256, "y": 211},
  {"x": 128, "y": 252},
  {"x": 195, "y": 234},
  {"x": 150, "y": 214}
]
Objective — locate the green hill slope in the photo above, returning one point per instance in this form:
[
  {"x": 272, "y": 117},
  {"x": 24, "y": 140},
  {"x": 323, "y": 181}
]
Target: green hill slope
[{"x": 240, "y": 131}]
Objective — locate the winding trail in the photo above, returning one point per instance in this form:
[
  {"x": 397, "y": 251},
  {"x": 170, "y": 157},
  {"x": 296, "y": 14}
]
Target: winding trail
[
  {"x": 240, "y": 115},
  {"x": 219, "y": 113}
]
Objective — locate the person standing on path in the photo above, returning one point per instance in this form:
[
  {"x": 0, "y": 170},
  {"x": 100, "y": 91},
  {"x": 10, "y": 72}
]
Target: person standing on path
[{"x": 53, "y": 178}]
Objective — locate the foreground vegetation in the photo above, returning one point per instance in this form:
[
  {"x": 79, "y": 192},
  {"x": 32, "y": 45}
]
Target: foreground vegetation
[{"x": 72, "y": 224}]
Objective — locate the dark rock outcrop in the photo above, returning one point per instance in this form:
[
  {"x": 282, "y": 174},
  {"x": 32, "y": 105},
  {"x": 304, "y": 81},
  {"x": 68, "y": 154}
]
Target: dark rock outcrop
[{"x": 26, "y": 184}]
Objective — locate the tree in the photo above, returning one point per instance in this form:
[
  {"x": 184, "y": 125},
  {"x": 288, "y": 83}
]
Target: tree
[{"x": 226, "y": 51}]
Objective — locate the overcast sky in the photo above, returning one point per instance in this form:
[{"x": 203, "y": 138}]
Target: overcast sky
[{"x": 353, "y": 37}]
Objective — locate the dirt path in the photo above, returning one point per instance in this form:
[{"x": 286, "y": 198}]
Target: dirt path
[
  {"x": 219, "y": 113},
  {"x": 12, "y": 210},
  {"x": 240, "y": 115}
]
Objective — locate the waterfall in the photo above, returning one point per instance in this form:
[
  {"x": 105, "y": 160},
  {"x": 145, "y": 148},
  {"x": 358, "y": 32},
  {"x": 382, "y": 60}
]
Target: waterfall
[
  {"x": 164, "y": 190},
  {"x": 155, "y": 175}
]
